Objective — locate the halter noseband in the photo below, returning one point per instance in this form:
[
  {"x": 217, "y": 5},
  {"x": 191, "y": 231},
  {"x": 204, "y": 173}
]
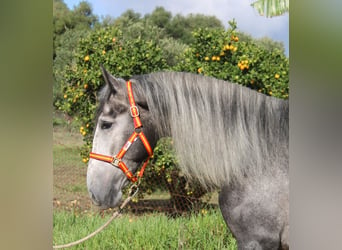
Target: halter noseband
[{"x": 116, "y": 161}]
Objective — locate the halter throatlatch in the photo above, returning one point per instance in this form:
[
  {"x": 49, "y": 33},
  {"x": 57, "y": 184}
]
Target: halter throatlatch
[{"x": 116, "y": 161}]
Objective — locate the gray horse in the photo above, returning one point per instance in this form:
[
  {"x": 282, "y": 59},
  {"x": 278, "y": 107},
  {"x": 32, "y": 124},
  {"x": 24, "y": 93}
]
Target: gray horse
[{"x": 226, "y": 136}]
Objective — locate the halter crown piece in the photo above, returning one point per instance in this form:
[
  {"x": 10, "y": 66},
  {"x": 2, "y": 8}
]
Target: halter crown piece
[{"x": 116, "y": 161}]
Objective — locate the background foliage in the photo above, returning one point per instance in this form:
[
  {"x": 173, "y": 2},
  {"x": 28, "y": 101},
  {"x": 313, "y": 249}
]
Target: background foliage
[
  {"x": 220, "y": 53},
  {"x": 131, "y": 45}
]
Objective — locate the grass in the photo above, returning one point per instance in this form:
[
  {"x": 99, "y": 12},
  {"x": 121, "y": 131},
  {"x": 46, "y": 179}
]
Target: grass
[
  {"x": 66, "y": 155},
  {"x": 152, "y": 231}
]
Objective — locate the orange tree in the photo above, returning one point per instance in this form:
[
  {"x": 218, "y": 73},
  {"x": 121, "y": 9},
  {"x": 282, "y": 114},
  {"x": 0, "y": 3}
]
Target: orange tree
[{"x": 221, "y": 54}]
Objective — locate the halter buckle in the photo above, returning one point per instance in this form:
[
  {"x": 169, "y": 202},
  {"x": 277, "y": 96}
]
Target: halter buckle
[
  {"x": 116, "y": 162},
  {"x": 134, "y": 111}
]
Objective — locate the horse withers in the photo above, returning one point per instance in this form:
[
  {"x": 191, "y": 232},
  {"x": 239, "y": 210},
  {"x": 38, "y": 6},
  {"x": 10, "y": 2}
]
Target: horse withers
[{"x": 225, "y": 136}]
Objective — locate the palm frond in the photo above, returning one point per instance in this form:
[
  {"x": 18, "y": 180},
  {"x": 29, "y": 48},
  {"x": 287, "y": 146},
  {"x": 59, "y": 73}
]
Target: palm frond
[{"x": 271, "y": 8}]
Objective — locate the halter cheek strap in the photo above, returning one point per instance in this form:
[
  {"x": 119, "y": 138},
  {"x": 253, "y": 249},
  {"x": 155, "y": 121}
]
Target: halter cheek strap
[{"x": 116, "y": 161}]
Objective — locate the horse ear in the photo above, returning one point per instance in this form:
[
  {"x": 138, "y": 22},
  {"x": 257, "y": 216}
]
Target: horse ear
[{"x": 114, "y": 84}]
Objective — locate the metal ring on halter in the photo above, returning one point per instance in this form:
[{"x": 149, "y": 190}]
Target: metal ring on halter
[
  {"x": 138, "y": 130},
  {"x": 133, "y": 192}
]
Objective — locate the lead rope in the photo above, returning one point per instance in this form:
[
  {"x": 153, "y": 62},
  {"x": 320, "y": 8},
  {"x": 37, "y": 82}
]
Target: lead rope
[{"x": 115, "y": 215}]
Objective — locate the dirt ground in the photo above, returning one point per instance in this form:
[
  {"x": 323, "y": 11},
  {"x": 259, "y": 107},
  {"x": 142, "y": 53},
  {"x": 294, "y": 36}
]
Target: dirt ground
[{"x": 69, "y": 173}]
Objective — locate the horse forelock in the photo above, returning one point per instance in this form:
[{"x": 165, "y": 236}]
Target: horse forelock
[{"x": 221, "y": 131}]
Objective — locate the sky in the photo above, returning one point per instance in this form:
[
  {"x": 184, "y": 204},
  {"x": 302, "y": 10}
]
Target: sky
[{"x": 248, "y": 19}]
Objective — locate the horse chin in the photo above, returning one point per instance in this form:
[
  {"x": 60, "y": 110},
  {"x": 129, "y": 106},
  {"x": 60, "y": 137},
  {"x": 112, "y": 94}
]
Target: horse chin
[
  {"x": 112, "y": 201},
  {"x": 116, "y": 200}
]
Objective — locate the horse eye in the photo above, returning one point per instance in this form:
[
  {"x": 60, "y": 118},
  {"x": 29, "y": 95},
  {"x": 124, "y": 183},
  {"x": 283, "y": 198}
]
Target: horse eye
[
  {"x": 106, "y": 125},
  {"x": 143, "y": 105}
]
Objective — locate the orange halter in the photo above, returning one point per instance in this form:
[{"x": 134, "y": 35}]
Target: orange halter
[{"x": 116, "y": 161}]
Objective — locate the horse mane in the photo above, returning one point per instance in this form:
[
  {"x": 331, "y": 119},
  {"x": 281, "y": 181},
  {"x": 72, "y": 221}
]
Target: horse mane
[{"x": 221, "y": 131}]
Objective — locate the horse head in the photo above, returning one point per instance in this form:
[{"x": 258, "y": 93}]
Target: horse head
[{"x": 117, "y": 136}]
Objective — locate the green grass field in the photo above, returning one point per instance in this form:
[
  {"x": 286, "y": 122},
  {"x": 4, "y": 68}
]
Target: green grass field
[
  {"x": 75, "y": 217},
  {"x": 151, "y": 231}
]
